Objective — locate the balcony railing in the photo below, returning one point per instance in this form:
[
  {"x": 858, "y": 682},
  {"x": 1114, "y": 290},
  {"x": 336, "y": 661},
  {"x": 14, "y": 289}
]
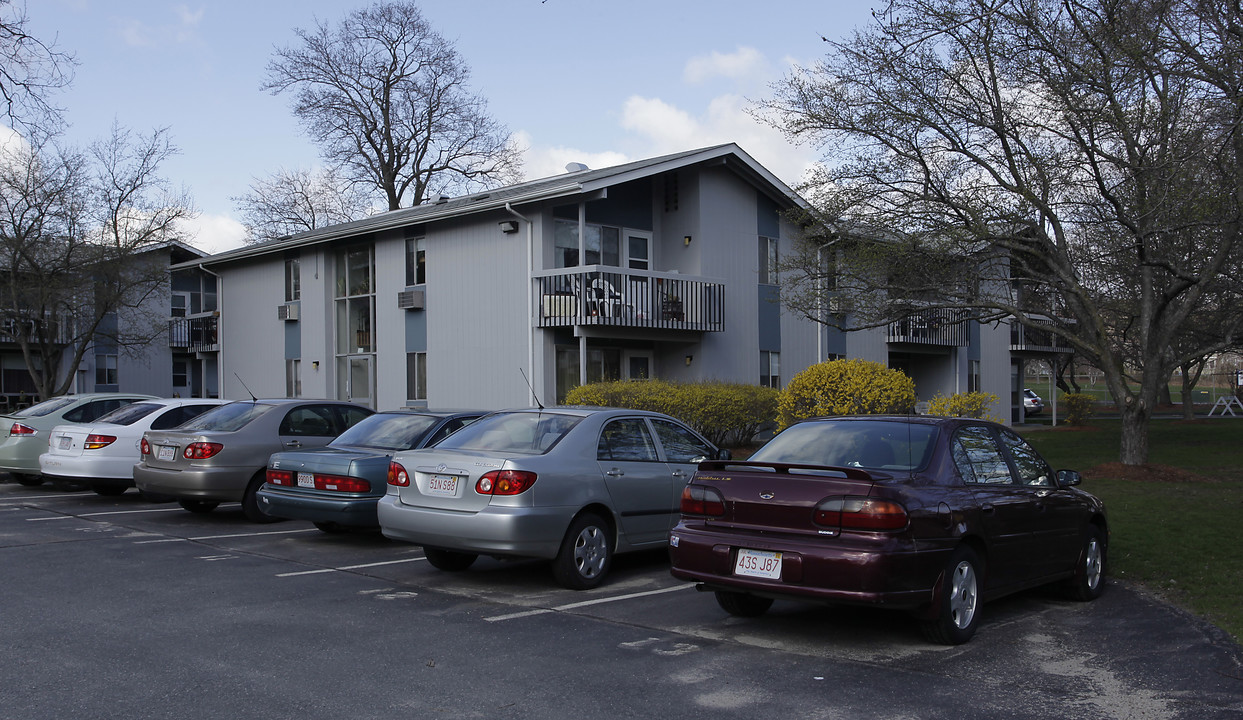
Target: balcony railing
[
  {"x": 1036, "y": 339},
  {"x": 199, "y": 334},
  {"x": 941, "y": 326},
  {"x": 603, "y": 295}
]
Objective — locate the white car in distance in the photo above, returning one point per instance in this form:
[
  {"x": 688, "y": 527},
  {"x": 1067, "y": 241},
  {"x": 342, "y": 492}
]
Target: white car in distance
[{"x": 102, "y": 454}]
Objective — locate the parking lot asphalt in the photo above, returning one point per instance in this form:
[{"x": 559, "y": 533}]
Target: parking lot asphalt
[{"x": 115, "y": 607}]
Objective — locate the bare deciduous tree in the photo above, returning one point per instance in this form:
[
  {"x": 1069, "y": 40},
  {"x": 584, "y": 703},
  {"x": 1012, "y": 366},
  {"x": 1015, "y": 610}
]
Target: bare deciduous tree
[
  {"x": 386, "y": 99},
  {"x": 79, "y": 233},
  {"x": 1074, "y": 165},
  {"x": 30, "y": 70},
  {"x": 293, "y": 201}
]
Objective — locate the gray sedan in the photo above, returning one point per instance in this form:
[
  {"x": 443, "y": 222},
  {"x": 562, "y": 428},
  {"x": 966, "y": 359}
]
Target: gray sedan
[
  {"x": 573, "y": 485},
  {"x": 221, "y": 455}
]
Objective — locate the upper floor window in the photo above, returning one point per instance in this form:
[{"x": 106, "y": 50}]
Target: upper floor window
[
  {"x": 768, "y": 260},
  {"x": 105, "y": 369},
  {"x": 416, "y": 261},
  {"x": 601, "y": 245},
  {"x": 293, "y": 279}
]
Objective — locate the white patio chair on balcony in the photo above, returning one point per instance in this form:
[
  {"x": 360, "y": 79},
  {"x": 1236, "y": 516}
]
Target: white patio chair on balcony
[{"x": 604, "y": 300}]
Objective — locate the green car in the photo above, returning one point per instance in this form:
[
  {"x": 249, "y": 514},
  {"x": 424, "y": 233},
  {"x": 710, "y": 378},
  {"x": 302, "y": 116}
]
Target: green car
[{"x": 25, "y": 432}]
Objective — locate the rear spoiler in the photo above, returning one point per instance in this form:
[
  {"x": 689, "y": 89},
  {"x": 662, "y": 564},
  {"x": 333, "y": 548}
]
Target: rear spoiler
[{"x": 784, "y": 468}]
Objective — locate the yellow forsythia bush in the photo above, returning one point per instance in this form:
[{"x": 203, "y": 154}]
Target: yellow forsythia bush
[
  {"x": 1078, "y": 407},
  {"x": 845, "y": 387},
  {"x": 727, "y": 414},
  {"x": 970, "y": 404}
]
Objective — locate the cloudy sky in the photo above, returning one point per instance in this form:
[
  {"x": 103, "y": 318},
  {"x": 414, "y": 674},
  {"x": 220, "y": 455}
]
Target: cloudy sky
[{"x": 577, "y": 80}]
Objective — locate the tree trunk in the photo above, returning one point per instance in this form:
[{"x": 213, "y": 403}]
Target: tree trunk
[
  {"x": 1135, "y": 417},
  {"x": 1189, "y": 407}
]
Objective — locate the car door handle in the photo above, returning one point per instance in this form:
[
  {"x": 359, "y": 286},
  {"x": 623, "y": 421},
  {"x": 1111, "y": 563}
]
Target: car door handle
[
  {"x": 986, "y": 508},
  {"x": 679, "y": 474},
  {"x": 294, "y": 444},
  {"x": 615, "y": 472}
]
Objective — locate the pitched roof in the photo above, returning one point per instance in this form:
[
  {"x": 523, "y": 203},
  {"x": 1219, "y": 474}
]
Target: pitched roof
[{"x": 568, "y": 184}]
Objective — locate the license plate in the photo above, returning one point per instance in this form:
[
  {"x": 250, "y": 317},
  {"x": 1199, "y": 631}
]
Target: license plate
[
  {"x": 442, "y": 485},
  {"x": 63, "y": 442},
  {"x": 758, "y": 563},
  {"x": 306, "y": 480},
  {"x": 166, "y": 452}
]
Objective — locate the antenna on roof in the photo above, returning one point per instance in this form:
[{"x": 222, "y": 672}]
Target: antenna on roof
[
  {"x": 575, "y": 167},
  {"x": 243, "y": 382},
  {"x": 533, "y": 395}
]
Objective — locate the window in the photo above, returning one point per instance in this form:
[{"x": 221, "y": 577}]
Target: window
[
  {"x": 768, "y": 261},
  {"x": 416, "y": 261},
  {"x": 309, "y": 420},
  {"x": 978, "y": 458},
  {"x": 626, "y": 440},
  {"x": 973, "y": 376},
  {"x": 601, "y": 246},
  {"x": 105, "y": 369},
  {"x": 293, "y": 279},
  {"x": 180, "y": 304},
  {"x": 293, "y": 378},
  {"x": 355, "y": 293},
  {"x": 181, "y": 373},
  {"x": 770, "y": 369},
  {"x": 681, "y": 445},
  {"x": 1031, "y": 467},
  {"x": 416, "y": 376}
]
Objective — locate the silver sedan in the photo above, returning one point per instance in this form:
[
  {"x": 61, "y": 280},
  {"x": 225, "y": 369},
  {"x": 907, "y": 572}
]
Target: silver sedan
[{"x": 573, "y": 485}]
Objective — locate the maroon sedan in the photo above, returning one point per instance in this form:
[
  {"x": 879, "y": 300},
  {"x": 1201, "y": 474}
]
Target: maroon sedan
[{"x": 932, "y": 515}]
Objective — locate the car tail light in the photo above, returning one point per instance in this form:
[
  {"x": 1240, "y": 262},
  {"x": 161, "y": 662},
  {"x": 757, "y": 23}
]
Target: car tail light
[
  {"x": 144, "y": 447},
  {"x": 702, "y": 500},
  {"x": 201, "y": 450},
  {"x": 860, "y": 513},
  {"x": 504, "y": 482},
  {"x": 95, "y": 442},
  {"x": 20, "y": 429},
  {"x": 397, "y": 475},
  {"x": 341, "y": 483},
  {"x": 280, "y": 477}
]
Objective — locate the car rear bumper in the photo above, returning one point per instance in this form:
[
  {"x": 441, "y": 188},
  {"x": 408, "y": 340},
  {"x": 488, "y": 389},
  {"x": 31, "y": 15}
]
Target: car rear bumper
[
  {"x": 495, "y": 530},
  {"x": 118, "y": 470},
  {"x": 830, "y": 571},
  {"x": 354, "y": 511},
  {"x": 20, "y": 455},
  {"x": 213, "y": 484}
]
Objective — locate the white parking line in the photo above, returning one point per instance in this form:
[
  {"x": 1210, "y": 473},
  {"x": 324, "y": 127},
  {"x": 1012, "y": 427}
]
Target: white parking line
[
  {"x": 97, "y": 514},
  {"x": 585, "y": 603},
  {"x": 220, "y": 537},
  {"x": 24, "y": 498},
  {"x": 349, "y": 567}
]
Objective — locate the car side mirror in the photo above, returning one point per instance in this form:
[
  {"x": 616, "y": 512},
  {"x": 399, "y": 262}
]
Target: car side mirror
[
  {"x": 1068, "y": 478},
  {"x": 724, "y": 454}
]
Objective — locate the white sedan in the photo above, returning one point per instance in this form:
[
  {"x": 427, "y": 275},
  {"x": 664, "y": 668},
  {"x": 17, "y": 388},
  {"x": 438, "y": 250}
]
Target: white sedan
[{"x": 102, "y": 454}]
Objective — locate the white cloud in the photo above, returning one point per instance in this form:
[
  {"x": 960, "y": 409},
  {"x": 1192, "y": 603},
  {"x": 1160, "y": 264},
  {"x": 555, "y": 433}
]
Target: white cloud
[
  {"x": 214, "y": 233},
  {"x": 542, "y": 162},
  {"x": 743, "y": 65}
]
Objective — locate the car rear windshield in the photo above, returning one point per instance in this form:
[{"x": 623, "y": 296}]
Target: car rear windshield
[
  {"x": 47, "y": 407},
  {"x": 226, "y": 418},
  {"x": 386, "y": 431},
  {"x": 129, "y": 414},
  {"x": 881, "y": 445},
  {"x": 521, "y": 432}
]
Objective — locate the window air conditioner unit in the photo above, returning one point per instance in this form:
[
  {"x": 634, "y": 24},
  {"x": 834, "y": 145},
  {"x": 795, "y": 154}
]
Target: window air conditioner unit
[
  {"x": 410, "y": 299},
  {"x": 287, "y": 312}
]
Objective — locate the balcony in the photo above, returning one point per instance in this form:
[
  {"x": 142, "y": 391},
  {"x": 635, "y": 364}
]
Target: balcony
[
  {"x": 942, "y": 326},
  {"x": 195, "y": 335},
  {"x": 1036, "y": 339},
  {"x": 603, "y": 295}
]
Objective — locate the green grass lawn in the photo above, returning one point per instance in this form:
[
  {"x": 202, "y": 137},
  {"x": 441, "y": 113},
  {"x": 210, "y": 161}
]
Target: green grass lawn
[{"x": 1176, "y": 533}]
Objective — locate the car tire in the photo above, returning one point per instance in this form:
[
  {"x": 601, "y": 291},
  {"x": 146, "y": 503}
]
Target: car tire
[
  {"x": 109, "y": 490},
  {"x": 586, "y": 553},
  {"x": 449, "y": 560},
  {"x": 958, "y": 614},
  {"x": 1089, "y": 578},
  {"x": 250, "y": 502},
  {"x": 28, "y": 480},
  {"x": 330, "y": 527},
  {"x": 742, "y": 604},
  {"x": 198, "y": 506}
]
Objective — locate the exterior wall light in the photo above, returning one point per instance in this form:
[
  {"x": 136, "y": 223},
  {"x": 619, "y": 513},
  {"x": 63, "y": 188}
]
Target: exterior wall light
[
  {"x": 689, "y": 359},
  {"x": 686, "y": 240},
  {"x": 509, "y": 226}
]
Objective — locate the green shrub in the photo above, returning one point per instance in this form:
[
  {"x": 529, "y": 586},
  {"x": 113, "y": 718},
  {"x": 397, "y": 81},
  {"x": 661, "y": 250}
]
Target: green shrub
[
  {"x": 1079, "y": 407},
  {"x": 845, "y": 387},
  {"x": 970, "y": 404},
  {"x": 727, "y": 414}
]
